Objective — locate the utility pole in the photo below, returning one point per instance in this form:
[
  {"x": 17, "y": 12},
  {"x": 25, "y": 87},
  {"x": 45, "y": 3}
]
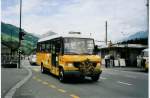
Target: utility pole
[
  {"x": 147, "y": 5},
  {"x": 11, "y": 44},
  {"x": 106, "y": 33},
  {"x": 19, "y": 33}
]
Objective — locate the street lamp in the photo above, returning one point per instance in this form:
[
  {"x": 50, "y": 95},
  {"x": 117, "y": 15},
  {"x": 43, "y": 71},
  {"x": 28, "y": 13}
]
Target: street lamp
[{"x": 147, "y": 5}]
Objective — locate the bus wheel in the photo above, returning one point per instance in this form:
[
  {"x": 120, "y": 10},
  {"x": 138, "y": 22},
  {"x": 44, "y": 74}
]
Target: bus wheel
[
  {"x": 42, "y": 69},
  {"x": 61, "y": 75},
  {"x": 95, "y": 78}
]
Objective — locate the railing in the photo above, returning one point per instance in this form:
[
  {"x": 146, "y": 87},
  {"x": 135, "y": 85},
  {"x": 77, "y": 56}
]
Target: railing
[{"x": 9, "y": 59}]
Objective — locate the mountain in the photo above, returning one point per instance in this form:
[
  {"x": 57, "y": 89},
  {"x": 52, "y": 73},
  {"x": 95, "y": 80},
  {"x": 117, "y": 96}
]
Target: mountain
[
  {"x": 137, "y": 38},
  {"x": 9, "y": 37},
  {"x": 139, "y": 35},
  {"x": 49, "y": 33}
]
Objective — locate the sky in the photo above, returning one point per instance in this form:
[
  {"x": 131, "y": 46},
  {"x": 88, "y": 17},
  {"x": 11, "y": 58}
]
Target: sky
[{"x": 124, "y": 17}]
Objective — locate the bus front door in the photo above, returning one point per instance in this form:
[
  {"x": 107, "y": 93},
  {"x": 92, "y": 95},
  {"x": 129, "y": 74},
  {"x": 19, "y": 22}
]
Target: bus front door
[{"x": 53, "y": 59}]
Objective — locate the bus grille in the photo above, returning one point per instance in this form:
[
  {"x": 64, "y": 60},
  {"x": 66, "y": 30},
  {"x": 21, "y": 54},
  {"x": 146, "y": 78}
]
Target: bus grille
[{"x": 86, "y": 67}]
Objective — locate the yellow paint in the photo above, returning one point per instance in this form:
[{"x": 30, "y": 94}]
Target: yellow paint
[
  {"x": 61, "y": 90},
  {"x": 39, "y": 80},
  {"x": 74, "y": 96},
  {"x": 34, "y": 77},
  {"x": 36, "y": 70},
  {"x": 45, "y": 83},
  {"x": 52, "y": 86}
]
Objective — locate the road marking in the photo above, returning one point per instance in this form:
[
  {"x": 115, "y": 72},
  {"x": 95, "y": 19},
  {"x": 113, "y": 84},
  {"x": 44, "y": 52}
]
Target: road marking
[
  {"x": 129, "y": 72},
  {"x": 36, "y": 70},
  {"x": 103, "y": 78},
  {"x": 61, "y": 90},
  {"x": 34, "y": 77},
  {"x": 52, "y": 86},
  {"x": 45, "y": 83},
  {"x": 112, "y": 73},
  {"x": 39, "y": 80},
  {"x": 116, "y": 70},
  {"x": 74, "y": 96},
  {"x": 125, "y": 83},
  {"x": 129, "y": 76}
]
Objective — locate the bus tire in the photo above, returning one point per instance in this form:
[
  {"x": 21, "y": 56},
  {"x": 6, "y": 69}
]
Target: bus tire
[
  {"x": 61, "y": 75},
  {"x": 95, "y": 78}
]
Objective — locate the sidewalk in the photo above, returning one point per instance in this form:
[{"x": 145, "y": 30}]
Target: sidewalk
[
  {"x": 133, "y": 69},
  {"x": 10, "y": 77}
]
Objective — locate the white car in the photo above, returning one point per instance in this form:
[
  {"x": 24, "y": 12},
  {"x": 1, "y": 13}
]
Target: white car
[
  {"x": 32, "y": 59},
  {"x": 143, "y": 59}
]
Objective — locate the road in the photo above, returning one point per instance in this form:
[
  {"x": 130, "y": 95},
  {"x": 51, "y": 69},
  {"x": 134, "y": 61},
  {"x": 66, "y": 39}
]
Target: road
[{"x": 112, "y": 84}]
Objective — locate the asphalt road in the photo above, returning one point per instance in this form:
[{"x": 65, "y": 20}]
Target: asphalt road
[{"x": 112, "y": 84}]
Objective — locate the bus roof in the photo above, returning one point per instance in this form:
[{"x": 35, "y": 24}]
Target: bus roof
[{"x": 64, "y": 35}]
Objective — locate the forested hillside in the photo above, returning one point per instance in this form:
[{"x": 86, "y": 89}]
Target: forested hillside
[{"x": 9, "y": 37}]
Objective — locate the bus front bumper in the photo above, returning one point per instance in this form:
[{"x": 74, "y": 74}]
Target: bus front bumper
[{"x": 78, "y": 73}]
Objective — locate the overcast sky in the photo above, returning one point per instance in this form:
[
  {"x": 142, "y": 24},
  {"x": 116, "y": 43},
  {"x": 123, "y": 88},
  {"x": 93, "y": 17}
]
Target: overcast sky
[{"x": 86, "y": 16}]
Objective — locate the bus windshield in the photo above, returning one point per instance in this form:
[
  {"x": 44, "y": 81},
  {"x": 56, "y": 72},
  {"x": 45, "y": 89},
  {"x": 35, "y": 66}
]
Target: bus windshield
[{"x": 78, "y": 46}]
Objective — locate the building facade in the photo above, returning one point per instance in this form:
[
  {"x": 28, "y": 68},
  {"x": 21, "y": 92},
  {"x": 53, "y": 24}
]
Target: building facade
[{"x": 128, "y": 52}]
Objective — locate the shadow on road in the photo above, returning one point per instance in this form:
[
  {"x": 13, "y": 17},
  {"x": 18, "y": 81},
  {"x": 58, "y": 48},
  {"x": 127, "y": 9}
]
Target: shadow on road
[
  {"x": 73, "y": 79},
  {"x": 78, "y": 81}
]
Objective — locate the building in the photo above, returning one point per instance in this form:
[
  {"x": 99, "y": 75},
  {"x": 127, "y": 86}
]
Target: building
[
  {"x": 9, "y": 56},
  {"x": 127, "y": 52}
]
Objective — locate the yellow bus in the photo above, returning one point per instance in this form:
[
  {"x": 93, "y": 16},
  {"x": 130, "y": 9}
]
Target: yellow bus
[{"x": 68, "y": 55}]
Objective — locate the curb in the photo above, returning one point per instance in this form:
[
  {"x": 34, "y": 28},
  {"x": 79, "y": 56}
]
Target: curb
[{"x": 12, "y": 91}]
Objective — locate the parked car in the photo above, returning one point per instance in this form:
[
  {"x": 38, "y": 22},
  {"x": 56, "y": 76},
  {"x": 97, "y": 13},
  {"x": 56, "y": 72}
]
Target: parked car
[{"x": 32, "y": 59}]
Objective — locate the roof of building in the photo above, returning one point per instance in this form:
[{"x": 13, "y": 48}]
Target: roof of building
[
  {"x": 146, "y": 49},
  {"x": 4, "y": 46},
  {"x": 125, "y": 45},
  {"x": 64, "y": 35}
]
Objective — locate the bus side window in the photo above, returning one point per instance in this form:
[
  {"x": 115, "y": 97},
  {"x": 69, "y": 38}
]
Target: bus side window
[
  {"x": 43, "y": 47},
  {"x": 40, "y": 47},
  {"x": 53, "y": 47},
  {"x": 58, "y": 46},
  {"x": 48, "y": 47}
]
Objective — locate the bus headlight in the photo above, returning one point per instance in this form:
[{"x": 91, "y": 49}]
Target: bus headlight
[
  {"x": 70, "y": 64},
  {"x": 98, "y": 65}
]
